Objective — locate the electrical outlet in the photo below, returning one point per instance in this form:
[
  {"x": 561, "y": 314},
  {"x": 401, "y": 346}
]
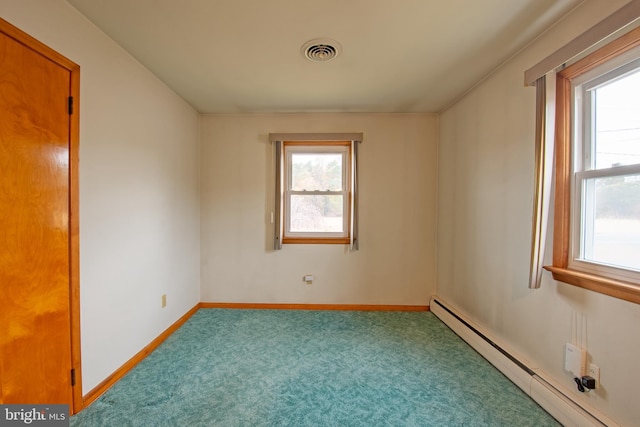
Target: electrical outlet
[
  {"x": 164, "y": 300},
  {"x": 594, "y": 372},
  {"x": 308, "y": 279}
]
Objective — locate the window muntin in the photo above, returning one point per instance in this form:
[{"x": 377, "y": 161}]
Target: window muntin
[
  {"x": 317, "y": 191},
  {"x": 606, "y": 170}
]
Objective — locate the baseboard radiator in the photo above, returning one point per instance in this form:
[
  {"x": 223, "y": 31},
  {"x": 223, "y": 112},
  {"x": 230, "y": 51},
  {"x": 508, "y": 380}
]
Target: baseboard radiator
[{"x": 531, "y": 380}]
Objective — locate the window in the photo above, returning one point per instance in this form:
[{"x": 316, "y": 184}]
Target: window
[
  {"x": 597, "y": 218},
  {"x": 316, "y": 188},
  {"x": 606, "y": 200},
  {"x": 317, "y": 191}
]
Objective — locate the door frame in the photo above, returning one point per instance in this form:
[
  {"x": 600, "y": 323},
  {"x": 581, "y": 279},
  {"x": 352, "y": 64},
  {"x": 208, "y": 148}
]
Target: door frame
[{"x": 74, "y": 224}]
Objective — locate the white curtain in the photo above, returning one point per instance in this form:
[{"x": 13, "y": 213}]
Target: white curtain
[
  {"x": 353, "y": 223},
  {"x": 544, "y": 148},
  {"x": 277, "y": 214}
]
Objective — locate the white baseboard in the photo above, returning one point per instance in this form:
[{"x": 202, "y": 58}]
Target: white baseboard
[{"x": 531, "y": 380}]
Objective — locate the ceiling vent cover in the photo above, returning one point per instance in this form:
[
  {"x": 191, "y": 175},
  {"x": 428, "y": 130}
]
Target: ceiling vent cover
[{"x": 321, "y": 50}]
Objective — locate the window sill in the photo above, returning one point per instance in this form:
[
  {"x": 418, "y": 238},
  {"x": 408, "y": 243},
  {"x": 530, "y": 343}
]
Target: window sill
[
  {"x": 612, "y": 287},
  {"x": 317, "y": 240}
]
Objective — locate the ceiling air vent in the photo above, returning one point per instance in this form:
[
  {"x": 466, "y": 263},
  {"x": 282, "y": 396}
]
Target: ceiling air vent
[{"x": 321, "y": 50}]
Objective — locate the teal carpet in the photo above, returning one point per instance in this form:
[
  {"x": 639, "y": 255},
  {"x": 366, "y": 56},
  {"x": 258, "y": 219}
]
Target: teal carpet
[{"x": 313, "y": 368}]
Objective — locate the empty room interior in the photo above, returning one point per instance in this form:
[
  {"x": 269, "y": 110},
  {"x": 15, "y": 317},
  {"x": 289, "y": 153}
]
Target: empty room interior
[{"x": 464, "y": 200}]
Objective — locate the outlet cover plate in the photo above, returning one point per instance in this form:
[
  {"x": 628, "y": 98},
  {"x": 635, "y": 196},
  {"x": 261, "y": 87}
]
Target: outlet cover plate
[{"x": 594, "y": 372}]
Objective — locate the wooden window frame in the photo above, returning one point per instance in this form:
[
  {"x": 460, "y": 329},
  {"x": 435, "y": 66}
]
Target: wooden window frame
[
  {"x": 342, "y": 240},
  {"x": 626, "y": 290}
]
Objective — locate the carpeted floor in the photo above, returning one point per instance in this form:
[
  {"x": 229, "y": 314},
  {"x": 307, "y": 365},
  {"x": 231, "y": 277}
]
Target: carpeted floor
[{"x": 313, "y": 368}]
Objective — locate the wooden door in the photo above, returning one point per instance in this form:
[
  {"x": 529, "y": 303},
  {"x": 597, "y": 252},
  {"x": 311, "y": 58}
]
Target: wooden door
[{"x": 38, "y": 238}]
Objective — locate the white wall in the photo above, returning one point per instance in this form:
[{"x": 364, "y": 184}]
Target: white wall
[
  {"x": 140, "y": 214},
  {"x": 484, "y": 225},
  {"x": 139, "y": 194},
  {"x": 397, "y": 182}
]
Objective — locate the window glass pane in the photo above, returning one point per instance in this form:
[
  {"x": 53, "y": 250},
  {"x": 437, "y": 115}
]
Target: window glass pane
[
  {"x": 611, "y": 221},
  {"x": 316, "y": 172},
  {"x": 316, "y": 213},
  {"x": 617, "y": 122}
]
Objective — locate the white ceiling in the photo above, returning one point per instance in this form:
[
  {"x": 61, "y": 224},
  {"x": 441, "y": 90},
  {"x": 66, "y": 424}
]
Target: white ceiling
[{"x": 225, "y": 56}]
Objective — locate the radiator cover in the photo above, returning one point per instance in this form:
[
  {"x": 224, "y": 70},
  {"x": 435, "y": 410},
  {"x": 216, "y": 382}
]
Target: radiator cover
[{"x": 531, "y": 380}]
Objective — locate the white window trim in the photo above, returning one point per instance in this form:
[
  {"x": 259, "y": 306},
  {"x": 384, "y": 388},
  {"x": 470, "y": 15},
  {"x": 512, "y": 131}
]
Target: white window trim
[
  {"x": 583, "y": 166},
  {"x": 345, "y": 192}
]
